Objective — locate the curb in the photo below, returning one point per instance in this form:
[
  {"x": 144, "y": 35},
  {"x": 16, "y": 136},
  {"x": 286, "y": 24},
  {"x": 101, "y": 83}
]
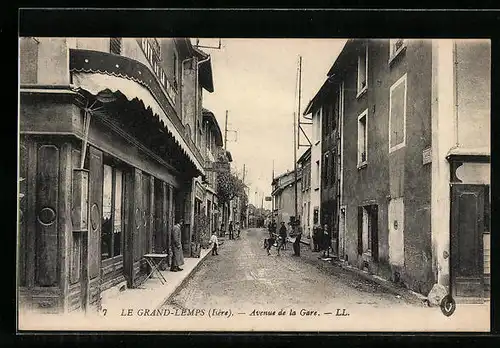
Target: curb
[{"x": 186, "y": 278}]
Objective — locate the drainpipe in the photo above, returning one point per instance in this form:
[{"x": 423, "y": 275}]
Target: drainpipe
[{"x": 196, "y": 88}]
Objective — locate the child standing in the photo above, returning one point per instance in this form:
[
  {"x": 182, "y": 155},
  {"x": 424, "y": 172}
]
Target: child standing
[{"x": 215, "y": 243}]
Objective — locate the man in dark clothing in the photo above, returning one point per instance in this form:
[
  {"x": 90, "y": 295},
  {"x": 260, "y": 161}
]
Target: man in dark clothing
[
  {"x": 231, "y": 236},
  {"x": 316, "y": 235},
  {"x": 325, "y": 241},
  {"x": 296, "y": 244},
  {"x": 283, "y": 236}
]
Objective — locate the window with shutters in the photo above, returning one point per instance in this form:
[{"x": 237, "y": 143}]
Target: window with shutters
[
  {"x": 397, "y": 115},
  {"x": 362, "y": 78},
  {"x": 115, "y": 45},
  {"x": 363, "y": 139},
  {"x": 396, "y": 47}
]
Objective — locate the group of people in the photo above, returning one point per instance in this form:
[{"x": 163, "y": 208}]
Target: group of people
[
  {"x": 282, "y": 237},
  {"x": 214, "y": 240},
  {"x": 231, "y": 228},
  {"x": 321, "y": 239}
]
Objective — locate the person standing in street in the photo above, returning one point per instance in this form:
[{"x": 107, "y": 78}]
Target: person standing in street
[
  {"x": 283, "y": 236},
  {"x": 231, "y": 235},
  {"x": 316, "y": 237},
  {"x": 298, "y": 236},
  {"x": 215, "y": 244},
  {"x": 325, "y": 239},
  {"x": 177, "y": 255}
]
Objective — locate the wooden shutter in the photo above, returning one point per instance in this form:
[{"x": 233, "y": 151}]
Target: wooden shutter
[
  {"x": 374, "y": 227},
  {"x": 360, "y": 230}
]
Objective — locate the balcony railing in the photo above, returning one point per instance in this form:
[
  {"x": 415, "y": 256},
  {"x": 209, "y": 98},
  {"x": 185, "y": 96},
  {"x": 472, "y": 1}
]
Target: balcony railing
[{"x": 151, "y": 48}]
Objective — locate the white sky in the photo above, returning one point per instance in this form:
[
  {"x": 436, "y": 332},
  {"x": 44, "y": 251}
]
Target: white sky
[{"x": 255, "y": 80}]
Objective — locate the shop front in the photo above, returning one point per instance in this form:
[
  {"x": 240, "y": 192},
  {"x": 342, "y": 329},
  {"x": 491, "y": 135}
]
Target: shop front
[{"x": 104, "y": 169}]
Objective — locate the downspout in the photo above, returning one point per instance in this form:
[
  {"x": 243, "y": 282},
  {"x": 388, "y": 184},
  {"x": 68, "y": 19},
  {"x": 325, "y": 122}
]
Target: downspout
[{"x": 196, "y": 88}]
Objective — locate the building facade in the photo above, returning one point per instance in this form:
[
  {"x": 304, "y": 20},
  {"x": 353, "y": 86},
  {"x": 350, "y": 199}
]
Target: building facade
[
  {"x": 304, "y": 164},
  {"x": 315, "y": 110},
  {"x": 213, "y": 148},
  {"x": 414, "y": 166},
  {"x": 110, "y": 142},
  {"x": 283, "y": 193}
]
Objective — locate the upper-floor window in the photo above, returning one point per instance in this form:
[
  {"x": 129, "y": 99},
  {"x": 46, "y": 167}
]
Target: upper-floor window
[
  {"x": 115, "y": 45},
  {"x": 317, "y": 174},
  {"x": 152, "y": 50},
  {"x": 326, "y": 169},
  {"x": 333, "y": 169},
  {"x": 362, "y": 78},
  {"x": 397, "y": 114},
  {"x": 317, "y": 125},
  {"x": 176, "y": 70},
  {"x": 362, "y": 138},
  {"x": 396, "y": 46}
]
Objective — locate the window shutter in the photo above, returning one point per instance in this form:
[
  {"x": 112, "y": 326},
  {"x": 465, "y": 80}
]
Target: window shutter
[
  {"x": 360, "y": 230},
  {"x": 375, "y": 232}
]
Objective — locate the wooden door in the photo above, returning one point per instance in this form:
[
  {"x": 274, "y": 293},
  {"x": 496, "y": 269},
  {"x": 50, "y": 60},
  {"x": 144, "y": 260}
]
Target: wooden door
[
  {"x": 93, "y": 254},
  {"x": 467, "y": 227}
]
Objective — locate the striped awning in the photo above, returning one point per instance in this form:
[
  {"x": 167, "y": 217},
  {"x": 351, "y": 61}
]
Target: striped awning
[{"x": 95, "y": 83}]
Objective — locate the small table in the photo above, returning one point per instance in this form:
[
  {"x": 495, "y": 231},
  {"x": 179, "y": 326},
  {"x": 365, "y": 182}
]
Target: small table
[{"x": 155, "y": 261}]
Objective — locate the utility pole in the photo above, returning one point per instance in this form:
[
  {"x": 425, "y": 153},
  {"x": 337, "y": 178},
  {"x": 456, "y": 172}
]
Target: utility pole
[
  {"x": 272, "y": 197},
  {"x": 225, "y": 134},
  {"x": 295, "y": 136}
]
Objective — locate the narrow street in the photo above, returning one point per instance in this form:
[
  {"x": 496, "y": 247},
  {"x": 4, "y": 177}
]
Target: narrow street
[{"x": 243, "y": 275}]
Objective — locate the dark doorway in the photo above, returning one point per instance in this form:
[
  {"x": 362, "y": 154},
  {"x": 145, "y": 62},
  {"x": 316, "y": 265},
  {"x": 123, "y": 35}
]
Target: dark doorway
[{"x": 467, "y": 230}]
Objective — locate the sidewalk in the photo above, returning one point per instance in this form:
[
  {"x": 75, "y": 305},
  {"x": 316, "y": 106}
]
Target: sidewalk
[
  {"x": 350, "y": 271},
  {"x": 152, "y": 294}
]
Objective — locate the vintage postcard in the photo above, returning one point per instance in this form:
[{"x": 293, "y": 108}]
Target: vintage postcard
[{"x": 226, "y": 184}]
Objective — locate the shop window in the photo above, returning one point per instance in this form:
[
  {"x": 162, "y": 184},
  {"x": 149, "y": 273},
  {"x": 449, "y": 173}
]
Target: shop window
[
  {"x": 362, "y": 138},
  {"x": 112, "y": 222},
  {"x": 362, "y": 81},
  {"x": 397, "y": 114}
]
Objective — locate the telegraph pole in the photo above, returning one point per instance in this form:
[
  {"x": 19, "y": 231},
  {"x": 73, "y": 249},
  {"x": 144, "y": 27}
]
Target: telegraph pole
[
  {"x": 272, "y": 197},
  {"x": 225, "y": 134}
]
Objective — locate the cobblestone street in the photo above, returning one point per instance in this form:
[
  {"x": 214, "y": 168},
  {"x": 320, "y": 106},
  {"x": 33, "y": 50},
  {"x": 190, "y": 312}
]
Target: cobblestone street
[{"x": 244, "y": 275}]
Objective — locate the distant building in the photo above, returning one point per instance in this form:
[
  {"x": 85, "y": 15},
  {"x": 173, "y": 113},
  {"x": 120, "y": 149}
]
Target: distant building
[
  {"x": 283, "y": 193},
  {"x": 212, "y": 150},
  {"x": 306, "y": 219},
  {"x": 315, "y": 110}
]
